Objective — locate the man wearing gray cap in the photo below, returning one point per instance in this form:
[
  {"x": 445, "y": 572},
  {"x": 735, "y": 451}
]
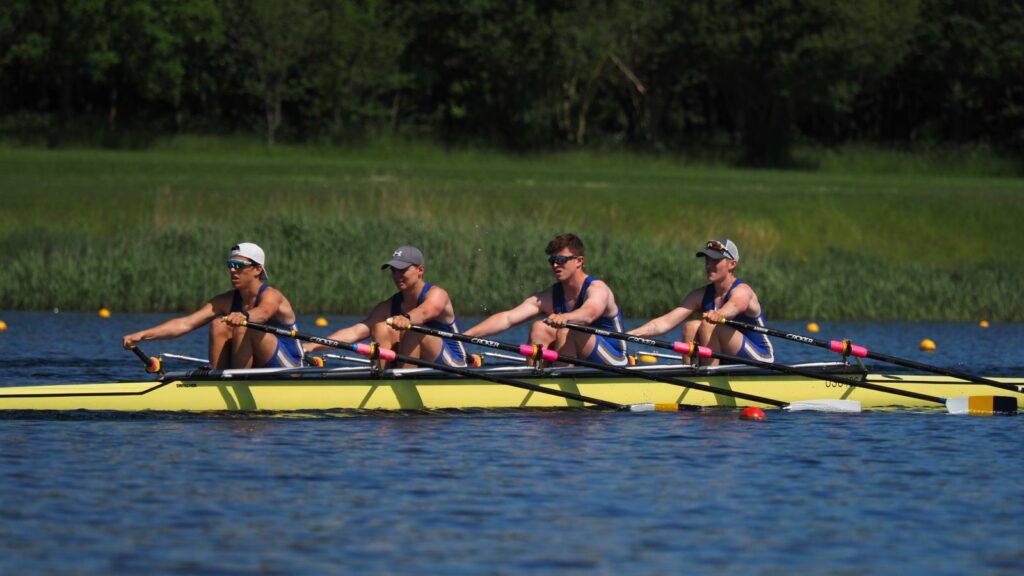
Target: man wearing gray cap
[
  {"x": 232, "y": 345},
  {"x": 725, "y": 296},
  {"x": 416, "y": 302}
]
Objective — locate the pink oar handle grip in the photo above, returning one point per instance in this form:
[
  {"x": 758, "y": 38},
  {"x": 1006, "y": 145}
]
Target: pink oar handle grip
[
  {"x": 545, "y": 353},
  {"x": 686, "y": 347},
  {"x": 367, "y": 350},
  {"x": 854, "y": 350}
]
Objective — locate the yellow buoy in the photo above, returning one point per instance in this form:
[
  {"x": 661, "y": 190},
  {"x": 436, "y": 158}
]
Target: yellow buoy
[
  {"x": 3, "y": 325},
  {"x": 927, "y": 345},
  {"x": 647, "y": 359},
  {"x": 813, "y": 327},
  {"x": 321, "y": 321},
  {"x": 104, "y": 313},
  {"x": 983, "y": 323}
]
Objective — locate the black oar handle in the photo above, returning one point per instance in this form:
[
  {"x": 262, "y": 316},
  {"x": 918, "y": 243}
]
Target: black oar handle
[
  {"x": 374, "y": 351},
  {"x": 537, "y": 353},
  {"x": 689, "y": 348},
  {"x": 152, "y": 363},
  {"x": 846, "y": 347}
]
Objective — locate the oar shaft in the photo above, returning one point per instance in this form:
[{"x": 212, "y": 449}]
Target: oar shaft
[
  {"x": 686, "y": 348},
  {"x": 533, "y": 351},
  {"x": 366, "y": 349},
  {"x": 844, "y": 347}
]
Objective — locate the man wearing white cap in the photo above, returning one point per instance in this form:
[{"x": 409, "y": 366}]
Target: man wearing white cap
[
  {"x": 416, "y": 302},
  {"x": 251, "y": 299},
  {"x": 725, "y": 296}
]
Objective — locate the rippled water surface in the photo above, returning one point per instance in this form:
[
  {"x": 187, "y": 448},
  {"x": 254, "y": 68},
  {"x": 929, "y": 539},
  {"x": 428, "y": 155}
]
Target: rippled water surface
[{"x": 504, "y": 492}]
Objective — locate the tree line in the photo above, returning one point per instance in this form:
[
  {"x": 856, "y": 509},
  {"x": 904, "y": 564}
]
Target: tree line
[{"x": 756, "y": 76}]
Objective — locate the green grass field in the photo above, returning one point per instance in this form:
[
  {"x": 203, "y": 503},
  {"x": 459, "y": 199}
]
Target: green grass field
[{"x": 149, "y": 230}]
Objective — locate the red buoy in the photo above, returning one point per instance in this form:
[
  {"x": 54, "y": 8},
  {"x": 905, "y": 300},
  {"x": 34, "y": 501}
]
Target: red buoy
[{"x": 752, "y": 413}]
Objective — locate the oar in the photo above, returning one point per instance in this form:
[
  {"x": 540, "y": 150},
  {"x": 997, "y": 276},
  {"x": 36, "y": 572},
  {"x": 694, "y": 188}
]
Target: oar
[
  {"x": 347, "y": 358},
  {"x": 517, "y": 359},
  {"x": 643, "y": 356},
  {"x": 845, "y": 347},
  {"x": 152, "y": 363},
  {"x": 536, "y": 353},
  {"x": 963, "y": 405},
  {"x": 191, "y": 359},
  {"x": 373, "y": 351}
]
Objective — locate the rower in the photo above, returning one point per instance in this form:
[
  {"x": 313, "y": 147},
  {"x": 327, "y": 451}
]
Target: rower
[
  {"x": 416, "y": 302},
  {"x": 231, "y": 345},
  {"x": 725, "y": 296},
  {"x": 574, "y": 297}
]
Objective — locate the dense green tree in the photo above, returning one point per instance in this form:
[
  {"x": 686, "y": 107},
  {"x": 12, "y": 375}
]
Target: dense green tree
[
  {"x": 593, "y": 55},
  {"x": 354, "y": 79},
  {"x": 270, "y": 40},
  {"x": 964, "y": 77},
  {"x": 523, "y": 74},
  {"x": 772, "y": 61}
]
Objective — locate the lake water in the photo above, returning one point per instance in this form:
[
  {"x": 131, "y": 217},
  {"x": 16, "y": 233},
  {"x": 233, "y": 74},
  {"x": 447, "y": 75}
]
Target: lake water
[{"x": 504, "y": 492}]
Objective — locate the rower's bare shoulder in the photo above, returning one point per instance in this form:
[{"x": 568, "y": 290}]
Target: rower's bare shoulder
[
  {"x": 543, "y": 299},
  {"x": 437, "y": 293},
  {"x": 746, "y": 290},
  {"x": 221, "y": 303},
  {"x": 693, "y": 299}
]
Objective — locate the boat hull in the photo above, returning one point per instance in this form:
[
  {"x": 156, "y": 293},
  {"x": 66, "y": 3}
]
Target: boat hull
[{"x": 422, "y": 392}]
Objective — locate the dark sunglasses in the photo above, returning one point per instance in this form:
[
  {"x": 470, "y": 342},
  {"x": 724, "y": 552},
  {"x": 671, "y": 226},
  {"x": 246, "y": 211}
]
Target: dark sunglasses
[
  {"x": 561, "y": 260},
  {"x": 716, "y": 245},
  {"x": 240, "y": 264}
]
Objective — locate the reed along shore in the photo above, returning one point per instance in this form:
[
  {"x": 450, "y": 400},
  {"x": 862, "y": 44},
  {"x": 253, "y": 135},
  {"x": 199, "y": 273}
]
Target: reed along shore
[{"x": 149, "y": 230}]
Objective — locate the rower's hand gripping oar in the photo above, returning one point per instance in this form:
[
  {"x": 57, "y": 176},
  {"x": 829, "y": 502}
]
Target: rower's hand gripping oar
[
  {"x": 538, "y": 353},
  {"x": 976, "y": 405},
  {"x": 374, "y": 351},
  {"x": 152, "y": 363},
  {"x": 847, "y": 348}
]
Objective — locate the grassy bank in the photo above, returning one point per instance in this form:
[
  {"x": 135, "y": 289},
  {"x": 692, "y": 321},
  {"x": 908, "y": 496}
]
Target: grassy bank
[{"x": 149, "y": 230}]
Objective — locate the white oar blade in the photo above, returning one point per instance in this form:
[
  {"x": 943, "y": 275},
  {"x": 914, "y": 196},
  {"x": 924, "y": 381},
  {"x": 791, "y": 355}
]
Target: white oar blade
[
  {"x": 825, "y": 406},
  {"x": 663, "y": 407},
  {"x": 982, "y": 405},
  {"x": 959, "y": 405}
]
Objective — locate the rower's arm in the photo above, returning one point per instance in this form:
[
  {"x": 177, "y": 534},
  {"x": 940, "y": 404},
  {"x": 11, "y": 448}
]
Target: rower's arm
[
  {"x": 270, "y": 302},
  {"x": 597, "y": 302},
  {"x": 174, "y": 327},
  {"x": 738, "y": 303},
  {"x": 504, "y": 320},
  {"x": 668, "y": 322},
  {"x": 432, "y": 307}
]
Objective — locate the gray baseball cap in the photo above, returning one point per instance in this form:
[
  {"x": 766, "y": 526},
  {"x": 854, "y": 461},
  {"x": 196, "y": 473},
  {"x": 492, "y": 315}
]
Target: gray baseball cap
[{"x": 404, "y": 257}]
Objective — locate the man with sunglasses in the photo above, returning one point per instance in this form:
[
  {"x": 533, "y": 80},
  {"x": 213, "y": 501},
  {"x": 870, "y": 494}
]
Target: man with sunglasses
[
  {"x": 725, "y": 296},
  {"x": 231, "y": 345},
  {"x": 575, "y": 297},
  {"x": 416, "y": 302}
]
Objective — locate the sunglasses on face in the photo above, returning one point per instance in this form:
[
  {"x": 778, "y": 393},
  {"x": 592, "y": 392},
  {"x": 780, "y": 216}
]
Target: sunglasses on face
[
  {"x": 560, "y": 260},
  {"x": 240, "y": 264},
  {"x": 716, "y": 245}
]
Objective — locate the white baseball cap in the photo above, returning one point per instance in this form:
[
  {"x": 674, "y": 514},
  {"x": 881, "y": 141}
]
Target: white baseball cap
[{"x": 252, "y": 252}]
